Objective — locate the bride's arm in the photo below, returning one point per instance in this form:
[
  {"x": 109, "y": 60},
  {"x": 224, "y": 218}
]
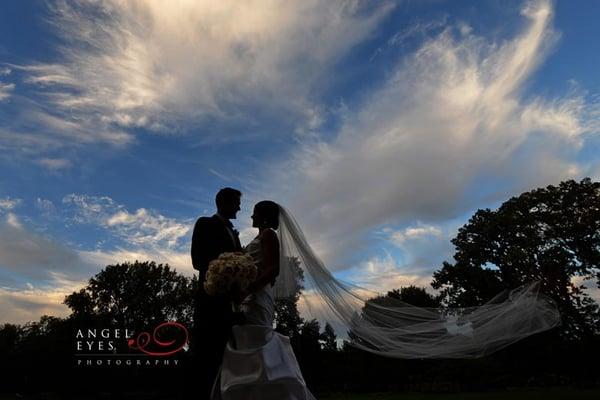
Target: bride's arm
[{"x": 270, "y": 268}]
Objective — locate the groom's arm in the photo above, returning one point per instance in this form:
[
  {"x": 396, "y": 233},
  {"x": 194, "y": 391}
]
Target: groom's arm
[{"x": 200, "y": 245}]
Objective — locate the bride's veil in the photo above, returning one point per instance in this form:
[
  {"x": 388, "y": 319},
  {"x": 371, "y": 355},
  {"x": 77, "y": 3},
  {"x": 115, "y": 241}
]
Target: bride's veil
[{"x": 393, "y": 328}]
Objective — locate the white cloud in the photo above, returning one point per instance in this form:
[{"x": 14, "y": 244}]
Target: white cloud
[
  {"x": 13, "y": 221},
  {"x": 247, "y": 234},
  {"x": 166, "y": 67},
  {"x": 426, "y": 145},
  {"x": 29, "y": 255},
  {"x": 420, "y": 231},
  {"x": 55, "y": 164},
  {"x": 5, "y": 88},
  {"x": 57, "y": 270},
  {"x": 143, "y": 228},
  {"x": 36, "y": 128},
  {"x": 146, "y": 227},
  {"x": 20, "y": 305},
  {"x": 219, "y": 175},
  {"x": 420, "y": 28},
  {"x": 7, "y": 204},
  {"x": 90, "y": 209},
  {"x": 46, "y": 206},
  {"x": 37, "y": 273},
  {"x": 382, "y": 274},
  {"x": 423, "y": 247},
  {"x": 181, "y": 261},
  {"x": 29, "y": 303},
  {"x": 23, "y": 305}
]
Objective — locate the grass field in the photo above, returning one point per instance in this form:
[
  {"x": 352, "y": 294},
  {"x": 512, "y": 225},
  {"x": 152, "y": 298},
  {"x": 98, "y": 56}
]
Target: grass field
[{"x": 545, "y": 394}]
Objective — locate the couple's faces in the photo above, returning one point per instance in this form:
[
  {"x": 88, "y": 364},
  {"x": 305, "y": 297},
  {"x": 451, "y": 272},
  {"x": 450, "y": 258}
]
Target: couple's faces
[{"x": 235, "y": 207}]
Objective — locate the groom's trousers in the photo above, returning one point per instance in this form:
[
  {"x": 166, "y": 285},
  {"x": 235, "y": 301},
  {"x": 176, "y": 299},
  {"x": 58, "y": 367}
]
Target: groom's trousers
[{"x": 213, "y": 319}]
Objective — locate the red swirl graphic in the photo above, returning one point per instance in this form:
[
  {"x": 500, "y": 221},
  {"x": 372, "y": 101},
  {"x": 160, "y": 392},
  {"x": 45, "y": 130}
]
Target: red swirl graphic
[{"x": 144, "y": 340}]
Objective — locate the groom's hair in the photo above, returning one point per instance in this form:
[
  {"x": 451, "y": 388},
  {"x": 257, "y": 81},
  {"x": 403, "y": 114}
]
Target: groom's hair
[{"x": 227, "y": 196}]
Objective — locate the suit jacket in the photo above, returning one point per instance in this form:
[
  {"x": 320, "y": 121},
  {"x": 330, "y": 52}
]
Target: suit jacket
[
  {"x": 210, "y": 239},
  {"x": 213, "y": 315}
]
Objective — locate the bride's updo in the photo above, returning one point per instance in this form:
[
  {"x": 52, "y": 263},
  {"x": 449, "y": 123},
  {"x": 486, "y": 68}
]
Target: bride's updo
[{"x": 268, "y": 211}]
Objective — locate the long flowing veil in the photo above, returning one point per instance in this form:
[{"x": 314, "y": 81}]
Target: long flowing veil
[{"x": 396, "y": 329}]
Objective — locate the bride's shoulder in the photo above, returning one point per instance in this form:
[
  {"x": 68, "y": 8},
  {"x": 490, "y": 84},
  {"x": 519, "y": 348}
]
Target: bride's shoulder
[{"x": 268, "y": 234}]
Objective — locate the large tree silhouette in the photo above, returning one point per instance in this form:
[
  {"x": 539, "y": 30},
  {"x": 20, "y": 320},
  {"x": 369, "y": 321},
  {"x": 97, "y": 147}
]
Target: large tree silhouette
[
  {"x": 135, "y": 295},
  {"x": 550, "y": 234}
]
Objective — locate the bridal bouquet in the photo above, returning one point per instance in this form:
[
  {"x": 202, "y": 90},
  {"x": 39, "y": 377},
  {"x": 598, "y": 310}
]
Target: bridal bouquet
[{"x": 230, "y": 270}]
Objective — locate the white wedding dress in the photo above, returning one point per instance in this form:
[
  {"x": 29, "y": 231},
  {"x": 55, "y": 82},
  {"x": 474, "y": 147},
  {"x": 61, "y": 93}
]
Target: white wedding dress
[{"x": 259, "y": 363}]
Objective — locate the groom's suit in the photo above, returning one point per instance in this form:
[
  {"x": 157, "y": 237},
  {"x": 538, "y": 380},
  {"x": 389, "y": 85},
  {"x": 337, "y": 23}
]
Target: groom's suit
[{"x": 213, "y": 316}]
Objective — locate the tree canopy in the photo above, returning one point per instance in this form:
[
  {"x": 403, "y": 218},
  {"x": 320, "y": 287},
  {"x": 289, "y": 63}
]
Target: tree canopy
[
  {"x": 135, "y": 295},
  {"x": 551, "y": 235}
]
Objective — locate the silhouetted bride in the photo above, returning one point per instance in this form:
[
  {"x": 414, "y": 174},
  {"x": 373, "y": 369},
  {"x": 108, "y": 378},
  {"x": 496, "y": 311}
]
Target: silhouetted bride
[{"x": 258, "y": 362}]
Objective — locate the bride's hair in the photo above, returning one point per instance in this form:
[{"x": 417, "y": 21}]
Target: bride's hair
[{"x": 269, "y": 211}]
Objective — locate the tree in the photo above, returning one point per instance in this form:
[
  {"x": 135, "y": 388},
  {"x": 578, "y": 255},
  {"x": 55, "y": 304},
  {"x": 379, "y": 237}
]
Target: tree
[
  {"x": 48, "y": 336},
  {"x": 394, "y": 309},
  {"x": 549, "y": 234},
  {"x": 135, "y": 295},
  {"x": 10, "y": 335},
  {"x": 308, "y": 350},
  {"x": 328, "y": 338},
  {"x": 287, "y": 317},
  {"x": 413, "y": 295}
]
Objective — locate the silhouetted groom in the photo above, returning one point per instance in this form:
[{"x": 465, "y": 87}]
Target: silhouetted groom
[{"x": 213, "y": 316}]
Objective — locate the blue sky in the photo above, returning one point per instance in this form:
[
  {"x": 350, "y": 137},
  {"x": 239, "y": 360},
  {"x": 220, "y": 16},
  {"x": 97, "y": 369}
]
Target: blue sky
[{"x": 381, "y": 125}]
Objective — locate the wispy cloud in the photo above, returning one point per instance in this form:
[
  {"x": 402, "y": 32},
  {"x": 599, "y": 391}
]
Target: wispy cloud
[
  {"x": 32, "y": 128},
  {"x": 180, "y": 260},
  {"x": 418, "y": 29},
  {"x": 23, "y": 305},
  {"x": 5, "y": 88},
  {"x": 165, "y": 67},
  {"x": 32, "y": 256},
  {"x": 220, "y": 175},
  {"x": 450, "y": 119}
]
